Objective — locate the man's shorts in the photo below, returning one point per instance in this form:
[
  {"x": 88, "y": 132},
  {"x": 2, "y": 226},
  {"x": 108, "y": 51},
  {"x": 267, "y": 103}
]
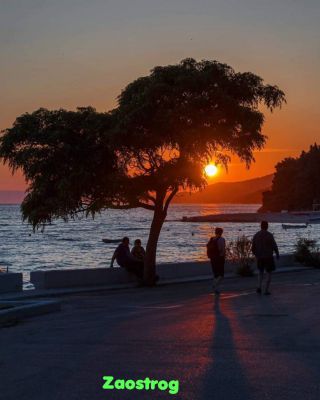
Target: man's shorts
[
  {"x": 217, "y": 265},
  {"x": 266, "y": 264}
]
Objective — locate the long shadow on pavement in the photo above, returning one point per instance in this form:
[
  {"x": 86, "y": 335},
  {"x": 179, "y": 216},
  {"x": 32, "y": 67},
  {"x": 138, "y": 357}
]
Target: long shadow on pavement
[{"x": 225, "y": 378}]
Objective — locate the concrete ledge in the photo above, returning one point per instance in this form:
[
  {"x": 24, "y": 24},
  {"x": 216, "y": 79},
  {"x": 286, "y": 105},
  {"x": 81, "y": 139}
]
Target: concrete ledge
[
  {"x": 10, "y": 282},
  {"x": 73, "y": 278},
  {"x": 69, "y": 278},
  {"x": 59, "y": 292},
  {"x": 202, "y": 269},
  {"x": 25, "y": 309}
]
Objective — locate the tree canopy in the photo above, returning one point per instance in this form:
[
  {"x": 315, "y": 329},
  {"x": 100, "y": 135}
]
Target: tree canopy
[
  {"x": 166, "y": 127},
  {"x": 192, "y": 112},
  {"x": 65, "y": 157},
  {"x": 296, "y": 183}
]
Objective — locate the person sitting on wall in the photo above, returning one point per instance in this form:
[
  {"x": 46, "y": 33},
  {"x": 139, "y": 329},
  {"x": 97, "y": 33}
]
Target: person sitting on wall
[
  {"x": 138, "y": 251},
  {"x": 126, "y": 260}
]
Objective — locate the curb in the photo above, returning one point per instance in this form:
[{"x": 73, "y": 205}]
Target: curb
[
  {"x": 41, "y": 293},
  {"x": 23, "y": 309}
]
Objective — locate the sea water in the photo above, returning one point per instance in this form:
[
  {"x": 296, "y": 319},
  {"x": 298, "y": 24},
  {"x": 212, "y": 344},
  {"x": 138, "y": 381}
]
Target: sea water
[{"x": 78, "y": 244}]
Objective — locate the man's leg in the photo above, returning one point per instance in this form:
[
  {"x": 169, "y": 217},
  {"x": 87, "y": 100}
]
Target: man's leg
[
  {"x": 260, "y": 266},
  {"x": 217, "y": 281},
  {"x": 136, "y": 268},
  {"x": 268, "y": 283},
  {"x": 260, "y": 280},
  {"x": 219, "y": 274},
  {"x": 213, "y": 273}
]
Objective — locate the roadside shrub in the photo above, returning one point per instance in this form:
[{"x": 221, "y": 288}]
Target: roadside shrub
[
  {"x": 307, "y": 252},
  {"x": 240, "y": 253}
]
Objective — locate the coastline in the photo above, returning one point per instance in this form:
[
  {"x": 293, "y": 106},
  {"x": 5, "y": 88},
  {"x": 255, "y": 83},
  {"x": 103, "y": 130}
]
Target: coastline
[{"x": 273, "y": 217}]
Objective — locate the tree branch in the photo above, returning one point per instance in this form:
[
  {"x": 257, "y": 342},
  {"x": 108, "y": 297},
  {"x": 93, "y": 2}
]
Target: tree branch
[
  {"x": 127, "y": 206},
  {"x": 170, "y": 197},
  {"x": 146, "y": 206},
  {"x": 151, "y": 198},
  {"x": 119, "y": 207}
]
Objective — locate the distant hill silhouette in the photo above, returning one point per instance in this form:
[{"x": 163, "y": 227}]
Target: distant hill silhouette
[
  {"x": 11, "y": 196},
  {"x": 244, "y": 192}
]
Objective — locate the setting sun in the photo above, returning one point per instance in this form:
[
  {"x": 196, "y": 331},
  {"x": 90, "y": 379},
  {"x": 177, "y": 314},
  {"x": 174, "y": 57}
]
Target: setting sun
[{"x": 211, "y": 170}]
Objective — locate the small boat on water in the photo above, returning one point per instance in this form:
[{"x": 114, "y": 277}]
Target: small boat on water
[
  {"x": 111, "y": 240},
  {"x": 314, "y": 220},
  {"x": 294, "y": 226}
]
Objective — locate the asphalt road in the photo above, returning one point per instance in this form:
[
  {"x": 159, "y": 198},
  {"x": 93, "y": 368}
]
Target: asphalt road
[{"x": 239, "y": 346}]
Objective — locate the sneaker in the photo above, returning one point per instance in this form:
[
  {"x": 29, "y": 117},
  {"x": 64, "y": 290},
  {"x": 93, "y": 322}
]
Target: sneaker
[
  {"x": 267, "y": 293},
  {"x": 258, "y": 290}
]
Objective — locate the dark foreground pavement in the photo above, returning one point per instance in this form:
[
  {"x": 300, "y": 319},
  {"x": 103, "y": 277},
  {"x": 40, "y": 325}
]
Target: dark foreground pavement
[{"x": 238, "y": 346}]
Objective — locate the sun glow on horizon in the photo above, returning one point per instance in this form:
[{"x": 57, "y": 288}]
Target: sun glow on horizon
[{"x": 211, "y": 170}]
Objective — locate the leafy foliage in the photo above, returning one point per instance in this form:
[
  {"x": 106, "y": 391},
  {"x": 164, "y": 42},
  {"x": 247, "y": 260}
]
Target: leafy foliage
[
  {"x": 66, "y": 158},
  {"x": 307, "y": 252},
  {"x": 296, "y": 184},
  {"x": 181, "y": 116},
  {"x": 240, "y": 252}
]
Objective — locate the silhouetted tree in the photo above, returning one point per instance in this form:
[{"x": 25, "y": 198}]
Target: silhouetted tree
[
  {"x": 296, "y": 183},
  {"x": 166, "y": 127},
  {"x": 67, "y": 160}
]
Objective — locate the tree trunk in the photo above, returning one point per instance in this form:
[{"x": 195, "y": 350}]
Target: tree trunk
[{"x": 159, "y": 217}]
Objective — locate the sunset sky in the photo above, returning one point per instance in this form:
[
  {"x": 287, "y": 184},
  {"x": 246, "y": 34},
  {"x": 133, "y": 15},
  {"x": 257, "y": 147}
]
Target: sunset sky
[{"x": 68, "y": 53}]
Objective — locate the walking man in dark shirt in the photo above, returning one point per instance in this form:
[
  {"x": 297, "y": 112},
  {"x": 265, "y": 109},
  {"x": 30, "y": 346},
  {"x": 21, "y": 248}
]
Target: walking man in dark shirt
[
  {"x": 216, "y": 251},
  {"x": 263, "y": 247}
]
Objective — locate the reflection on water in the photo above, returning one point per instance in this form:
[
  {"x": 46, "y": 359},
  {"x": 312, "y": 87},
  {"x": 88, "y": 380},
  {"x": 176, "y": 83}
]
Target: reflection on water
[{"x": 78, "y": 244}]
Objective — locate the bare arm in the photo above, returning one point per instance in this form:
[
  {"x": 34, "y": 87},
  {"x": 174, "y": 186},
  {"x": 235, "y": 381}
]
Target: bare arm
[
  {"x": 113, "y": 258},
  {"x": 222, "y": 247},
  {"x": 253, "y": 249},
  {"x": 275, "y": 248}
]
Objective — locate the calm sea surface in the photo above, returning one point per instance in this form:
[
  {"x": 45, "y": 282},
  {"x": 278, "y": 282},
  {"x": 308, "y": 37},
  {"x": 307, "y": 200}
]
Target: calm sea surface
[{"x": 78, "y": 244}]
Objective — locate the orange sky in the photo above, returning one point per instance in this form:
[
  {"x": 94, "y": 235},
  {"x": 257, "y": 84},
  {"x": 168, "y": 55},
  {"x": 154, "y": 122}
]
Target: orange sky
[{"x": 68, "y": 54}]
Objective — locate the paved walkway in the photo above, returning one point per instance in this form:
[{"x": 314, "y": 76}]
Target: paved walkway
[{"x": 238, "y": 346}]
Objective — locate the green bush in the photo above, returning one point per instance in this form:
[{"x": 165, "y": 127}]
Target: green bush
[
  {"x": 240, "y": 252},
  {"x": 307, "y": 252}
]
